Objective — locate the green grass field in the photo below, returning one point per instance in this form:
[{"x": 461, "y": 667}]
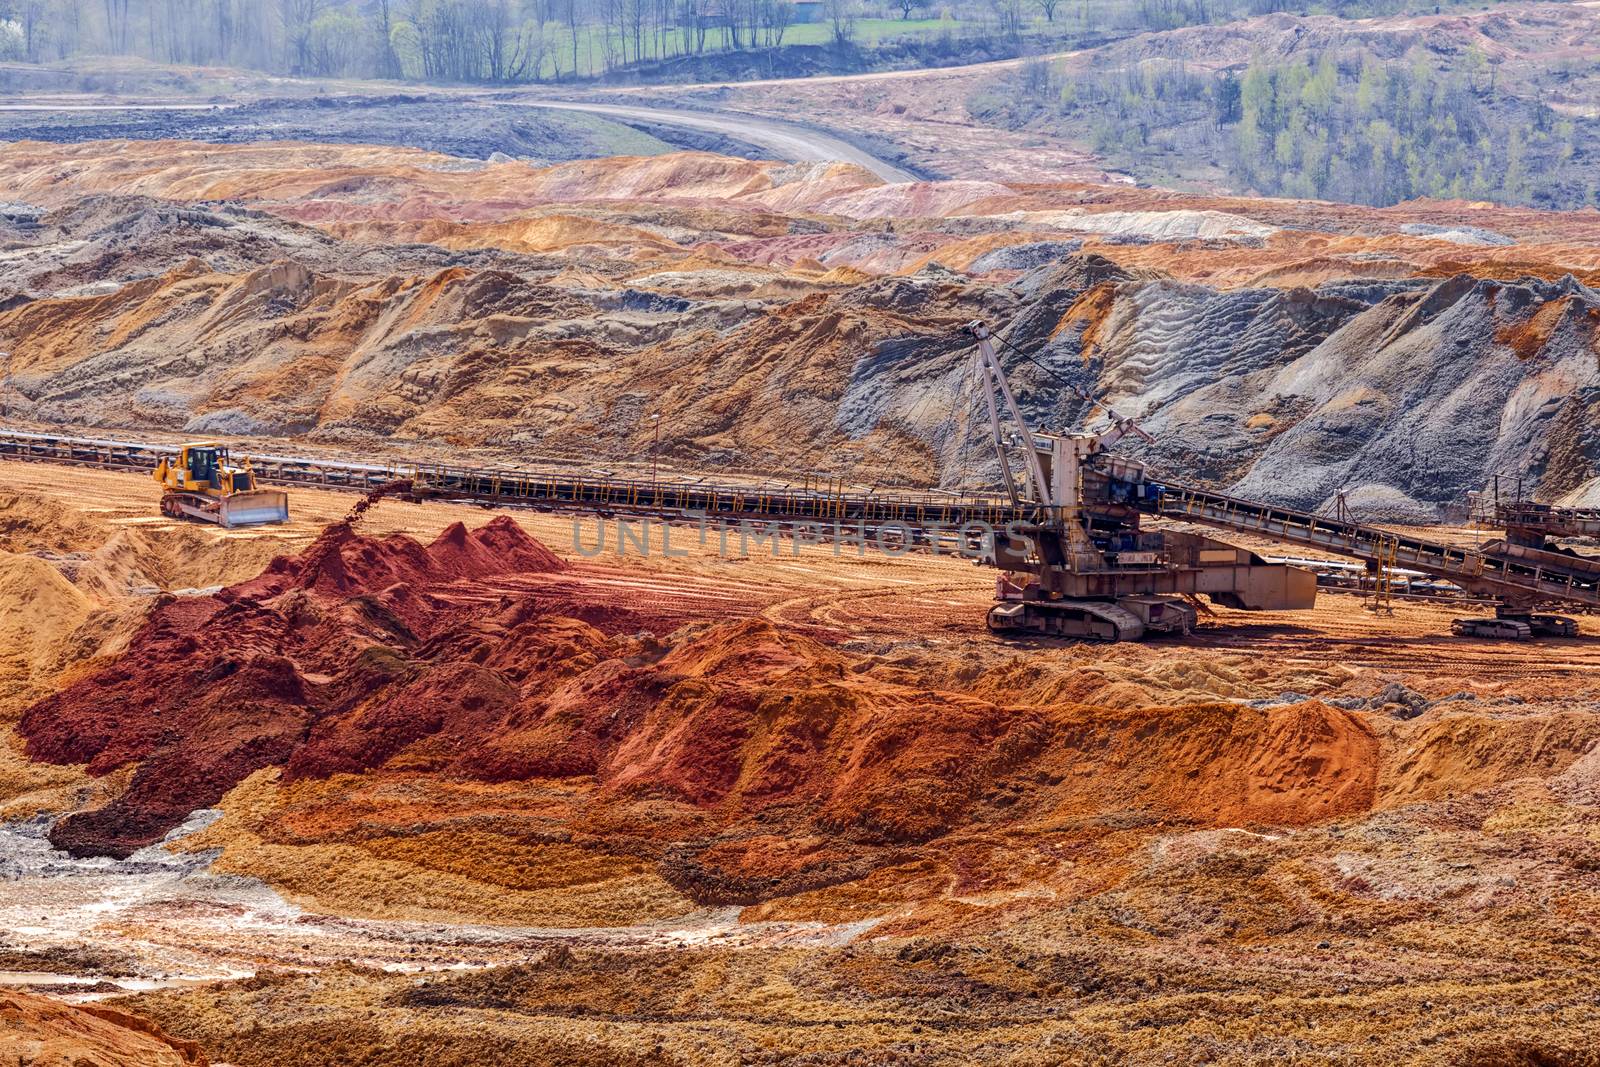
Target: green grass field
[{"x": 869, "y": 32}]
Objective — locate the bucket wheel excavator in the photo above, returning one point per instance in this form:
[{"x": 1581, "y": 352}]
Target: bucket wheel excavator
[{"x": 1083, "y": 566}]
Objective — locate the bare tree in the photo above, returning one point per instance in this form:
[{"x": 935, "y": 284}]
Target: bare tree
[
  {"x": 68, "y": 33},
  {"x": 496, "y": 41},
  {"x": 572, "y": 26},
  {"x": 842, "y": 16},
  {"x": 296, "y": 17},
  {"x": 1008, "y": 13},
  {"x": 33, "y": 16},
  {"x": 527, "y": 57},
  {"x": 335, "y": 43},
  {"x": 775, "y": 18},
  {"x": 1049, "y": 8},
  {"x": 118, "y": 26},
  {"x": 383, "y": 27}
]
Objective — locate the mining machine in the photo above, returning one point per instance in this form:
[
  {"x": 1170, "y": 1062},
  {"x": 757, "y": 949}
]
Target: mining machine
[
  {"x": 1082, "y": 565},
  {"x": 202, "y": 482},
  {"x": 1531, "y": 536}
]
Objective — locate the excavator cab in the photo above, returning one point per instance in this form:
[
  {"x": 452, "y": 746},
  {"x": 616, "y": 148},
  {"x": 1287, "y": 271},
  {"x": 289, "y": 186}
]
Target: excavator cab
[{"x": 202, "y": 482}]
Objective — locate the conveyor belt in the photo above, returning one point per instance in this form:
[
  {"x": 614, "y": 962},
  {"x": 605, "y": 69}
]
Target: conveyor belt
[
  {"x": 1548, "y": 520},
  {"x": 1516, "y": 581},
  {"x": 555, "y": 490}
]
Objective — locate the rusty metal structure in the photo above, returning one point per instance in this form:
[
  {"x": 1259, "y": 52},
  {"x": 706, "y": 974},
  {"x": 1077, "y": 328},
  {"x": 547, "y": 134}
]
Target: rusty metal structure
[
  {"x": 1089, "y": 542},
  {"x": 1083, "y": 564}
]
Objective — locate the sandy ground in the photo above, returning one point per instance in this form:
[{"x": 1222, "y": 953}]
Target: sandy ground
[
  {"x": 158, "y": 920},
  {"x": 1055, "y": 939}
]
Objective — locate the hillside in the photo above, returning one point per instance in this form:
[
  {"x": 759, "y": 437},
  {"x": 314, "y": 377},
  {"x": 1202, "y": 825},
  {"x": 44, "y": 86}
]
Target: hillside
[{"x": 785, "y": 318}]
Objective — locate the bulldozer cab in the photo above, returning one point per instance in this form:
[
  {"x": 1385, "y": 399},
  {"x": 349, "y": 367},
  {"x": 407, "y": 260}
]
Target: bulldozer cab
[
  {"x": 208, "y": 465},
  {"x": 204, "y": 463}
]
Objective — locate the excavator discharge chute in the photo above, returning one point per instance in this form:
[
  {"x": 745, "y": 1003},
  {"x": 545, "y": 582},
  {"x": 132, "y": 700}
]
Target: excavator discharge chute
[{"x": 203, "y": 482}]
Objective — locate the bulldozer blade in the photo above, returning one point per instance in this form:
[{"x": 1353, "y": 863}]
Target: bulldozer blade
[{"x": 255, "y": 508}]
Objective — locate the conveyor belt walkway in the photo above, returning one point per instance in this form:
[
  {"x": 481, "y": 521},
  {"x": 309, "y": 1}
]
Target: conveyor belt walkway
[
  {"x": 559, "y": 490},
  {"x": 1548, "y": 521},
  {"x": 1511, "y": 579}
]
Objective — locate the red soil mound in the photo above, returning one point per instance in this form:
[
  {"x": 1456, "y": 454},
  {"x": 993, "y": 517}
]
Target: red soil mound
[
  {"x": 740, "y": 719},
  {"x": 366, "y": 654},
  {"x": 212, "y": 688}
]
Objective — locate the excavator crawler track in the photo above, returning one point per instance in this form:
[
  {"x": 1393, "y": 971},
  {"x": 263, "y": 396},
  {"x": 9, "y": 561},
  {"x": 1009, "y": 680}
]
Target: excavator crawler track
[{"x": 1085, "y": 620}]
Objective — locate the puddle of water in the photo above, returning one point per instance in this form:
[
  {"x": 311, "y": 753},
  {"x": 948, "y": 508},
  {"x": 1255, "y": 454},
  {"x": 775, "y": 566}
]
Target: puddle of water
[
  {"x": 50, "y": 900},
  {"x": 42, "y": 978}
]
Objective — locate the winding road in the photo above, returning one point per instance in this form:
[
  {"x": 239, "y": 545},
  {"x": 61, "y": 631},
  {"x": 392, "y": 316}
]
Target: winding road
[
  {"x": 788, "y": 141},
  {"x": 791, "y": 141}
]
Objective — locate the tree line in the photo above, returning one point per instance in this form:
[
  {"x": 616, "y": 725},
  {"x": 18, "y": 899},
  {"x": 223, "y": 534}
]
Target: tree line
[
  {"x": 1342, "y": 125},
  {"x": 1384, "y": 132},
  {"x": 428, "y": 40}
]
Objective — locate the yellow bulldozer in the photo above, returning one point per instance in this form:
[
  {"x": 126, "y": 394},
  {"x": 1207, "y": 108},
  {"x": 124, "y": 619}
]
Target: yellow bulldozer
[{"x": 202, "y": 482}]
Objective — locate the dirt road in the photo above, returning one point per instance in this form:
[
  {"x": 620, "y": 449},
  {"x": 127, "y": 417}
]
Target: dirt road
[
  {"x": 791, "y": 142},
  {"x": 964, "y": 70}
]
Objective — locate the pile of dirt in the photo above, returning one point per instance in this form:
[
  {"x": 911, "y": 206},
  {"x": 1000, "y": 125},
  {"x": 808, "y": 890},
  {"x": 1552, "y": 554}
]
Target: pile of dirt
[
  {"x": 44, "y": 1031},
  {"x": 370, "y": 656},
  {"x": 213, "y": 687},
  {"x": 75, "y": 583},
  {"x": 1467, "y": 750},
  {"x": 746, "y": 764},
  {"x": 41, "y": 609},
  {"x": 539, "y": 233}
]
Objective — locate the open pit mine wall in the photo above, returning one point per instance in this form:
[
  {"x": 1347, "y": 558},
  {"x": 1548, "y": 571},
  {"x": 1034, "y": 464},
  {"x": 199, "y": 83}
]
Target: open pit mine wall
[{"x": 1405, "y": 394}]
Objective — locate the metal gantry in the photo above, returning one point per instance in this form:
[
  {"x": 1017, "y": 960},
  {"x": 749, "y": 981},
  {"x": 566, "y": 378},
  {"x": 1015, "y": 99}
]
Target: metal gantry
[
  {"x": 918, "y": 513},
  {"x": 1471, "y": 569}
]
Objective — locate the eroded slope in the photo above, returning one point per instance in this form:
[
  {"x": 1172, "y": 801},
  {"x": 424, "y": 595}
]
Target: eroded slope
[{"x": 792, "y": 317}]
